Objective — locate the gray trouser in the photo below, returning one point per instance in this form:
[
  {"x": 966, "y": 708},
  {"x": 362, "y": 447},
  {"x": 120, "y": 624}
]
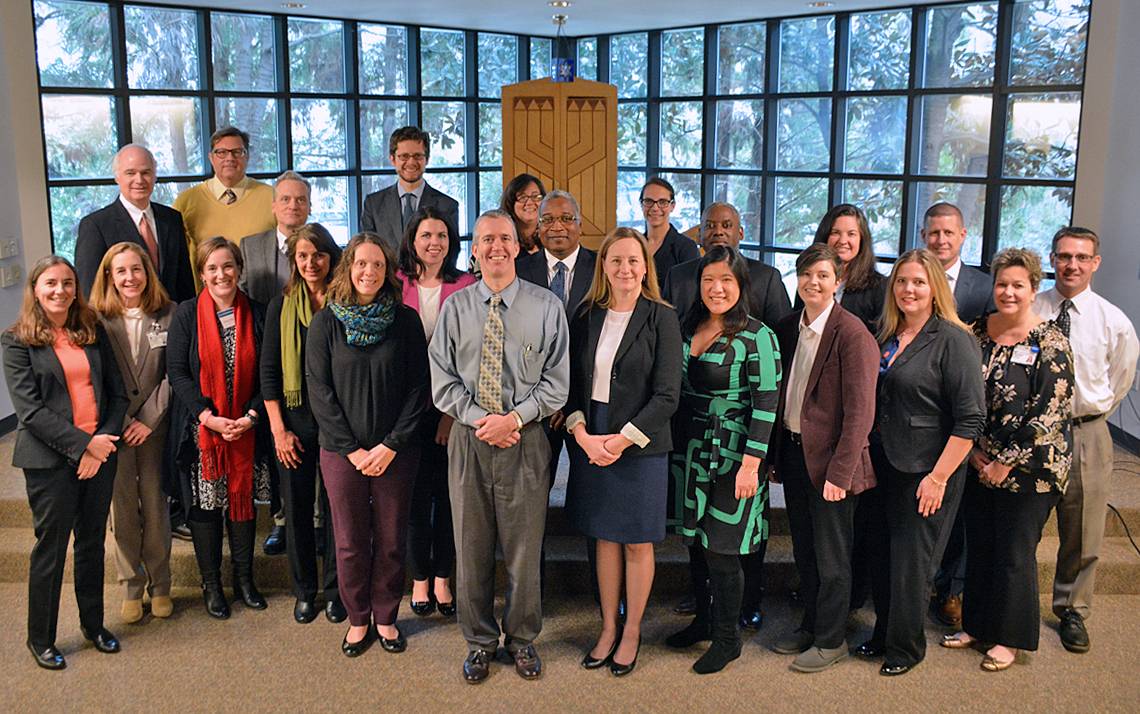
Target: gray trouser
[
  {"x": 140, "y": 519},
  {"x": 498, "y": 495},
  {"x": 1080, "y": 517}
]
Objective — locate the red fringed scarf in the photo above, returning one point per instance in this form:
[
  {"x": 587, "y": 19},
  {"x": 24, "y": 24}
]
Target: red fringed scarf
[{"x": 233, "y": 459}]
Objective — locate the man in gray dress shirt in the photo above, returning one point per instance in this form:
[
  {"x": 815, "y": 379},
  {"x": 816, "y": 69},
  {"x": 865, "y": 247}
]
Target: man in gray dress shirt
[{"x": 499, "y": 365}]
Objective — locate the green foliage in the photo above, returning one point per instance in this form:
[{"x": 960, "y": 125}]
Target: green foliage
[
  {"x": 587, "y": 67},
  {"x": 740, "y": 134},
  {"x": 881, "y": 202},
  {"x": 73, "y": 43},
  {"x": 632, "y": 120},
  {"x": 1031, "y": 214},
  {"x": 258, "y": 117},
  {"x": 490, "y": 134},
  {"x": 498, "y": 63},
  {"x": 1049, "y": 39},
  {"x": 319, "y": 135},
  {"x": 378, "y": 119},
  {"x": 740, "y": 58},
  {"x": 316, "y": 55},
  {"x": 879, "y": 51},
  {"x": 383, "y": 53},
  {"x": 876, "y": 134},
  {"x": 683, "y": 62},
  {"x": 807, "y": 54},
  {"x": 446, "y": 123},
  {"x": 242, "y": 47},
  {"x": 162, "y": 48},
  {"x": 629, "y": 64},
  {"x": 803, "y": 135},
  {"x": 681, "y": 135},
  {"x": 800, "y": 203},
  {"x": 540, "y": 55},
  {"x": 960, "y": 45},
  {"x": 441, "y": 62}
]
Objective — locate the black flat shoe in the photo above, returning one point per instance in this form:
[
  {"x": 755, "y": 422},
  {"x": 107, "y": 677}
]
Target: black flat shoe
[
  {"x": 589, "y": 662},
  {"x": 618, "y": 669},
  {"x": 304, "y": 611},
  {"x": 477, "y": 666},
  {"x": 215, "y": 600},
  {"x": 334, "y": 611},
  {"x": 697, "y": 631},
  {"x": 894, "y": 670},
  {"x": 47, "y": 657},
  {"x": 424, "y": 608},
  {"x": 355, "y": 649},
  {"x": 395, "y": 645},
  {"x": 868, "y": 650},
  {"x": 447, "y": 609},
  {"x": 103, "y": 640}
]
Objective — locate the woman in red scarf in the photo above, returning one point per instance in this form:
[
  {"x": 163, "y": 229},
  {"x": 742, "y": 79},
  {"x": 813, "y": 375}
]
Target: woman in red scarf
[{"x": 213, "y": 367}]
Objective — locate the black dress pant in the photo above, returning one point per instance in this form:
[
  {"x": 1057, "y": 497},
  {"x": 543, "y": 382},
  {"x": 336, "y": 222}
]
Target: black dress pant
[
  {"x": 916, "y": 546},
  {"x": 431, "y": 543},
  {"x": 299, "y": 495},
  {"x": 822, "y": 537},
  {"x": 951, "y": 576},
  {"x": 61, "y": 504},
  {"x": 1002, "y": 532}
]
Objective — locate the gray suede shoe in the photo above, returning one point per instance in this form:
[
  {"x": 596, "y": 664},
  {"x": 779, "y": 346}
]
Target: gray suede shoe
[
  {"x": 794, "y": 642},
  {"x": 817, "y": 659}
]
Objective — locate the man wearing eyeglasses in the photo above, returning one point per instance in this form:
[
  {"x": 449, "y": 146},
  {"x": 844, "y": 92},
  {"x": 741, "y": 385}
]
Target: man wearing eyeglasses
[
  {"x": 668, "y": 246},
  {"x": 388, "y": 211},
  {"x": 1105, "y": 350},
  {"x": 228, "y": 204}
]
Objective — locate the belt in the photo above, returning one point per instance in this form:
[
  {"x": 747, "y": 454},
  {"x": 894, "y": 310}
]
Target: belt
[{"x": 1086, "y": 419}]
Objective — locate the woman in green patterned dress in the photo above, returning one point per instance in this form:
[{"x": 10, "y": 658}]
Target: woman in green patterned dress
[{"x": 729, "y": 389}]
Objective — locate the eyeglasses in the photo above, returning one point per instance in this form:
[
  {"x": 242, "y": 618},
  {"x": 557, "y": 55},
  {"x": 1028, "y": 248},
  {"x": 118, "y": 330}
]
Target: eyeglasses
[
  {"x": 528, "y": 198},
  {"x": 662, "y": 203},
  {"x": 564, "y": 219},
  {"x": 1082, "y": 258},
  {"x": 236, "y": 153},
  {"x": 404, "y": 158}
]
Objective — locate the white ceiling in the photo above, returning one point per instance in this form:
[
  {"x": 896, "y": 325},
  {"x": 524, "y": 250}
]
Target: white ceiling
[{"x": 587, "y": 17}]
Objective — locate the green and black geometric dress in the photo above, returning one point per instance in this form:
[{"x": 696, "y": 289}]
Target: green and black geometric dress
[{"x": 728, "y": 408}]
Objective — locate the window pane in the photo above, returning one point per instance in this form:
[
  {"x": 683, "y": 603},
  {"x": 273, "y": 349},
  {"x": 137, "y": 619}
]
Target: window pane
[
  {"x": 970, "y": 198},
  {"x": 498, "y": 63},
  {"x": 383, "y": 59},
  {"x": 876, "y": 134},
  {"x": 960, "y": 45},
  {"x": 445, "y": 122},
  {"x": 454, "y": 185},
  {"x": 807, "y": 54},
  {"x": 740, "y": 134},
  {"x": 803, "y": 141},
  {"x": 378, "y": 119},
  {"x": 628, "y": 208},
  {"x": 683, "y": 63},
  {"x": 490, "y": 134},
  {"x": 166, "y": 191},
  {"x": 242, "y": 46},
  {"x": 490, "y": 189},
  {"x": 786, "y": 264},
  {"x": 319, "y": 135},
  {"x": 687, "y": 193},
  {"x": 632, "y": 121},
  {"x": 800, "y": 203},
  {"x": 374, "y": 182},
  {"x": 881, "y": 201},
  {"x": 171, "y": 127},
  {"x": 258, "y": 117},
  {"x": 1030, "y": 215},
  {"x": 330, "y": 205},
  {"x": 588, "y": 58},
  {"x": 441, "y": 62},
  {"x": 1041, "y": 135},
  {"x": 73, "y": 43},
  {"x": 629, "y": 64},
  {"x": 162, "y": 48},
  {"x": 879, "y": 56},
  {"x": 540, "y": 48},
  {"x": 69, "y": 204},
  {"x": 955, "y": 137},
  {"x": 681, "y": 134},
  {"x": 740, "y": 58},
  {"x": 316, "y": 55},
  {"x": 1049, "y": 39},
  {"x": 80, "y": 135},
  {"x": 746, "y": 194}
]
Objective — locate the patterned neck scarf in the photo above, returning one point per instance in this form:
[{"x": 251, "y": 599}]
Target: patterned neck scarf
[{"x": 366, "y": 325}]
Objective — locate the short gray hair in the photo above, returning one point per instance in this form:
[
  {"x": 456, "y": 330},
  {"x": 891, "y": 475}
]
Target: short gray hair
[
  {"x": 494, "y": 213},
  {"x": 140, "y": 147},
  {"x": 559, "y": 193},
  {"x": 292, "y": 175}
]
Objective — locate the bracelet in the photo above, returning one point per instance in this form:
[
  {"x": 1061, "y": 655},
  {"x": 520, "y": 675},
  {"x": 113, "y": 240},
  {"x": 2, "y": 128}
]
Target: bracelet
[
  {"x": 940, "y": 483},
  {"x": 252, "y": 416},
  {"x": 518, "y": 420}
]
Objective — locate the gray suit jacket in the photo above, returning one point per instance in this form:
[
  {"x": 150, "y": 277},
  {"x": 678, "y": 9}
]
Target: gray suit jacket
[
  {"x": 148, "y": 391},
  {"x": 383, "y": 213},
  {"x": 266, "y": 269},
  {"x": 974, "y": 294}
]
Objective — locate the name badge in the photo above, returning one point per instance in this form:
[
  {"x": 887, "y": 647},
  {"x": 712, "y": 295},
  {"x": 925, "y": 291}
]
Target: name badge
[
  {"x": 1025, "y": 354},
  {"x": 226, "y": 317},
  {"x": 156, "y": 339}
]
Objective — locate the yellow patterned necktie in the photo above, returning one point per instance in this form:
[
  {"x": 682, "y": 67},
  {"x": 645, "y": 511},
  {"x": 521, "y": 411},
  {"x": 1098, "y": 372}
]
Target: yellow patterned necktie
[{"x": 489, "y": 393}]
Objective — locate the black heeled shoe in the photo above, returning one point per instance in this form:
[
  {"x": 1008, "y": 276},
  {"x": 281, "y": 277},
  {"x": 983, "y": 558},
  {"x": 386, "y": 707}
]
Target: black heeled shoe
[
  {"x": 396, "y": 645},
  {"x": 447, "y": 609},
  {"x": 215, "y": 601},
  {"x": 618, "y": 669},
  {"x": 869, "y": 650},
  {"x": 47, "y": 657},
  {"x": 248, "y": 593},
  {"x": 424, "y": 608},
  {"x": 355, "y": 649},
  {"x": 589, "y": 662}
]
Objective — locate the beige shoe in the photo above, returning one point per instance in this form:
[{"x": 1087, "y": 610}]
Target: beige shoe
[
  {"x": 161, "y": 606},
  {"x": 131, "y": 611}
]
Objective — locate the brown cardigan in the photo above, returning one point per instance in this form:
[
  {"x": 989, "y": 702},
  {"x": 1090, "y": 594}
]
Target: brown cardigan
[{"x": 839, "y": 404}]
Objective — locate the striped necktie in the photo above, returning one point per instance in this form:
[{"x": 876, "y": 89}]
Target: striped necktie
[{"x": 489, "y": 391}]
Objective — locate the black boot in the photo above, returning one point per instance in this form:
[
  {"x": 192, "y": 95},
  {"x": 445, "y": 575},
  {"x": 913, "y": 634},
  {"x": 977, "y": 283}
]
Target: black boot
[
  {"x": 727, "y": 588},
  {"x": 208, "y": 552},
  {"x": 242, "y": 534},
  {"x": 699, "y": 630}
]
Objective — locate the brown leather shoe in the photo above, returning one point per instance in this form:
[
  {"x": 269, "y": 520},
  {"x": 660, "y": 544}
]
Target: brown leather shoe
[
  {"x": 477, "y": 666},
  {"x": 527, "y": 663},
  {"x": 950, "y": 614}
]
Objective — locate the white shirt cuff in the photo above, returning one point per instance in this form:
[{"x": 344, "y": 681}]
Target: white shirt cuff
[
  {"x": 574, "y": 420},
  {"x": 635, "y": 435}
]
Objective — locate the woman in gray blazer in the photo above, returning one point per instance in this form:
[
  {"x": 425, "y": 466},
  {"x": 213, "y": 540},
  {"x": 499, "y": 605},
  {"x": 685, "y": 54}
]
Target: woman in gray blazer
[{"x": 135, "y": 312}]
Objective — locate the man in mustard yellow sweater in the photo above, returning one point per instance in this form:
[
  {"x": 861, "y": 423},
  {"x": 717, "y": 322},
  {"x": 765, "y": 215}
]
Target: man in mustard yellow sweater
[{"x": 230, "y": 204}]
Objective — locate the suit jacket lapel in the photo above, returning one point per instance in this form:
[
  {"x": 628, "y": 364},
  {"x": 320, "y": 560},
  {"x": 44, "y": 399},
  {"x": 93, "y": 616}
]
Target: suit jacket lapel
[
  {"x": 923, "y": 339},
  {"x": 636, "y": 320},
  {"x": 583, "y": 276},
  {"x": 394, "y": 211},
  {"x": 597, "y": 321},
  {"x": 128, "y": 230},
  {"x": 826, "y": 340}
]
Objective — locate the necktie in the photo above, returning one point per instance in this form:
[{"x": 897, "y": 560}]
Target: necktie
[
  {"x": 489, "y": 392},
  {"x": 409, "y": 209},
  {"x": 558, "y": 285},
  {"x": 229, "y": 197},
  {"x": 1063, "y": 320},
  {"x": 148, "y": 240}
]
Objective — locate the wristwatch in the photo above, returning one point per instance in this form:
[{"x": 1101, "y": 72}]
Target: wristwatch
[{"x": 253, "y": 417}]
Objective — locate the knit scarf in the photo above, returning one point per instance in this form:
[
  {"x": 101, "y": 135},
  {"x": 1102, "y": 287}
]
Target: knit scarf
[
  {"x": 365, "y": 325},
  {"x": 231, "y": 459},
  {"x": 296, "y": 312}
]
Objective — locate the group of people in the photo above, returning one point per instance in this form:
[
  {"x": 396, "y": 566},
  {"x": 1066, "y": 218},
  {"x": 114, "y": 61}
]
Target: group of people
[{"x": 409, "y": 411}]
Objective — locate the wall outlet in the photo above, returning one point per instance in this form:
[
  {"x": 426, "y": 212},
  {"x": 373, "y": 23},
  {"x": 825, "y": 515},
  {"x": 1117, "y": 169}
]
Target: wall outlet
[
  {"x": 9, "y": 248},
  {"x": 10, "y": 275}
]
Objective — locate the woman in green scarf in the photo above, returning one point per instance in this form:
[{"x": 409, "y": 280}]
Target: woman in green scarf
[{"x": 312, "y": 256}]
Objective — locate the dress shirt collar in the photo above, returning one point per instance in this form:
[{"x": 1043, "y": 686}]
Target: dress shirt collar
[
  {"x": 818, "y": 323},
  {"x": 1082, "y": 301},
  {"x": 282, "y": 242},
  {"x": 507, "y": 294},
  {"x": 217, "y": 188},
  {"x": 418, "y": 191},
  {"x": 569, "y": 261},
  {"x": 136, "y": 212},
  {"x": 954, "y": 271}
]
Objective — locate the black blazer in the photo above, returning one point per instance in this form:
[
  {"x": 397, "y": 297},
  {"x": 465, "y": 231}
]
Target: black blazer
[
  {"x": 383, "y": 213},
  {"x": 46, "y": 435},
  {"x": 532, "y": 268},
  {"x": 933, "y": 391},
  {"x": 645, "y": 385},
  {"x": 677, "y": 248},
  {"x": 767, "y": 299},
  {"x": 112, "y": 224},
  {"x": 973, "y": 293}
]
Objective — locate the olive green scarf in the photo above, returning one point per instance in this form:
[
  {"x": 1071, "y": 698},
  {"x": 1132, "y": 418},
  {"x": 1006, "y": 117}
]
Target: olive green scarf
[{"x": 296, "y": 310}]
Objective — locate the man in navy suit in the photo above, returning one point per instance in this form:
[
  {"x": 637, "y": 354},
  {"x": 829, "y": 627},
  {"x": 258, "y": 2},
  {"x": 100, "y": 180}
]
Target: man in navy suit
[
  {"x": 944, "y": 232},
  {"x": 162, "y": 234},
  {"x": 387, "y": 211}
]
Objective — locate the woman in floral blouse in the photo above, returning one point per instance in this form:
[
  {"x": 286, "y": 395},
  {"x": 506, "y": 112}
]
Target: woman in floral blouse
[{"x": 1019, "y": 466}]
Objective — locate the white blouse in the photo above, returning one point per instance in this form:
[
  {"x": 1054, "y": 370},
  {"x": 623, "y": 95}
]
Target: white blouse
[
  {"x": 429, "y": 307},
  {"x": 608, "y": 342}
]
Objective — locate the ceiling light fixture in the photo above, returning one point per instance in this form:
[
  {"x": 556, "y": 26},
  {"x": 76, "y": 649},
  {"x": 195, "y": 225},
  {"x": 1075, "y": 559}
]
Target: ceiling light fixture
[
  {"x": 820, "y": 3},
  {"x": 560, "y": 3},
  {"x": 292, "y": 5}
]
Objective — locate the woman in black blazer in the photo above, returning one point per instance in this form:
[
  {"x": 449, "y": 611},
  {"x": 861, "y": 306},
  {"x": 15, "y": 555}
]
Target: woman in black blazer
[
  {"x": 862, "y": 289},
  {"x": 70, "y": 403},
  {"x": 625, "y": 383},
  {"x": 930, "y": 408}
]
